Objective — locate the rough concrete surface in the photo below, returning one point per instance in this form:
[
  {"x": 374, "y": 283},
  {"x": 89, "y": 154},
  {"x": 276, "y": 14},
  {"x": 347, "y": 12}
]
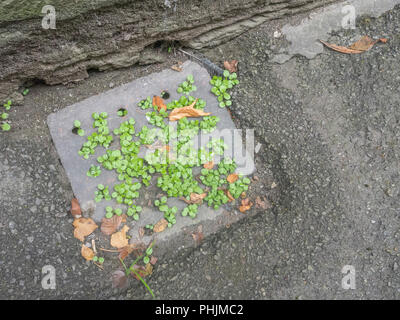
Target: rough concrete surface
[{"x": 330, "y": 143}]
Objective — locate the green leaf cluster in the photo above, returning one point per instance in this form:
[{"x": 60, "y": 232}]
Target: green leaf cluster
[
  {"x": 221, "y": 86},
  {"x": 187, "y": 86}
]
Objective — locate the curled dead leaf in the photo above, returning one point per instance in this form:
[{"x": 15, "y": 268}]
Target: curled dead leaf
[
  {"x": 229, "y": 195},
  {"x": 160, "y": 225},
  {"x": 232, "y": 177},
  {"x": 209, "y": 165},
  {"x": 83, "y": 227},
  {"x": 110, "y": 225},
  {"x": 246, "y": 205},
  {"x": 159, "y": 102},
  {"x": 87, "y": 253},
  {"x": 188, "y": 111},
  {"x": 360, "y": 46},
  {"x": 118, "y": 239},
  {"x": 231, "y": 66}
]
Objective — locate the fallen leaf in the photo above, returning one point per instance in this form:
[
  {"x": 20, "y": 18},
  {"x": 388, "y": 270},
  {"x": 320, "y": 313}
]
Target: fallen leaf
[
  {"x": 231, "y": 66},
  {"x": 75, "y": 208},
  {"x": 94, "y": 246},
  {"x": 149, "y": 269},
  {"x": 83, "y": 227},
  {"x": 232, "y": 177},
  {"x": 159, "y": 102},
  {"x": 133, "y": 247},
  {"x": 340, "y": 48},
  {"x": 153, "y": 260},
  {"x": 176, "y": 68},
  {"x": 188, "y": 111},
  {"x": 209, "y": 165},
  {"x": 87, "y": 253},
  {"x": 160, "y": 225},
  {"x": 110, "y": 225},
  {"x": 140, "y": 270},
  {"x": 360, "y": 46},
  {"x": 119, "y": 279},
  {"x": 229, "y": 195},
  {"x": 364, "y": 44},
  {"x": 198, "y": 236},
  {"x": 246, "y": 205},
  {"x": 118, "y": 239},
  {"x": 195, "y": 198}
]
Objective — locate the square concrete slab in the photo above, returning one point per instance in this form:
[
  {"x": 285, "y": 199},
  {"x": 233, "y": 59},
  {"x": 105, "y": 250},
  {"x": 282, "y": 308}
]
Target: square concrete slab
[{"x": 128, "y": 96}]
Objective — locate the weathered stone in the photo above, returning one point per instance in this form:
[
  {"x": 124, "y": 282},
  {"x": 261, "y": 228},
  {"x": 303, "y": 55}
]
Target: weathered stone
[{"x": 111, "y": 34}]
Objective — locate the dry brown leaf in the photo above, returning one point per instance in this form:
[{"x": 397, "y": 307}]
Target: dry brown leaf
[
  {"x": 87, "y": 253},
  {"x": 149, "y": 269},
  {"x": 176, "y": 68},
  {"x": 159, "y": 102},
  {"x": 160, "y": 225},
  {"x": 232, "y": 177},
  {"x": 229, "y": 195},
  {"x": 118, "y": 239},
  {"x": 231, "y": 66},
  {"x": 197, "y": 198},
  {"x": 110, "y": 225},
  {"x": 340, "y": 48},
  {"x": 83, "y": 227},
  {"x": 246, "y": 205},
  {"x": 188, "y": 111},
  {"x": 75, "y": 208},
  {"x": 209, "y": 165},
  {"x": 360, "y": 46},
  {"x": 133, "y": 247}
]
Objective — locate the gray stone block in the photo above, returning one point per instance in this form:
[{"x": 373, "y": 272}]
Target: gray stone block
[{"x": 127, "y": 96}]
